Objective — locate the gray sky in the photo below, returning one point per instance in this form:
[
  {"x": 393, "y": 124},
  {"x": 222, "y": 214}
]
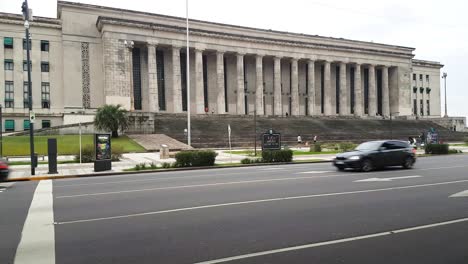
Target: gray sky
[{"x": 437, "y": 29}]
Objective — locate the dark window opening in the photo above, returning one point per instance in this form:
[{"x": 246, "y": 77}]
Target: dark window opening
[
  {"x": 414, "y": 76},
  {"x": 226, "y": 103},
  {"x": 161, "y": 82},
  {"x": 25, "y": 65},
  {"x": 427, "y": 78},
  {"x": 183, "y": 75},
  {"x": 45, "y": 95},
  {"x": 9, "y": 94},
  {"x": 44, "y": 45},
  {"x": 353, "y": 98},
  {"x": 366, "y": 91},
  {"x": 25, "y": 95},
  {"x": 420, "y": 77},
  {"x": 8, "y": 65},
  {"x": 379, "y": 91},
  {"x": 415, "y": 107},
  {"x": 45, "y": 123},
  {"x": 44, "y": 66},
  {"x": 8, "y": 42},
  {"x": 422, "y": 107},
  {"x": 337, "y": 88},
  {"x": 428, "y": 106},
  {"x": 246, "y": 99},
  {"x": 24, "y": 44},
  {"x": 136, "y": 79},
  {"x": 322, "y": 89},
  {"x": 205, "y": 81}
]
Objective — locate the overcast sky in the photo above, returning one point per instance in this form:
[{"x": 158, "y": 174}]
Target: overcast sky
[{"x": 437, "y": 29}]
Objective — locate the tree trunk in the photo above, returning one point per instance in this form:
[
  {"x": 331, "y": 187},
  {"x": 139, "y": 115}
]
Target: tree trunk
[{"x": 115, "y": 134}]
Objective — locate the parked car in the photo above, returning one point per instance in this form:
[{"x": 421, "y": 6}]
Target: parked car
[
  {"x": 4, "y": 170},
  {"x": 377, "y": 154}
]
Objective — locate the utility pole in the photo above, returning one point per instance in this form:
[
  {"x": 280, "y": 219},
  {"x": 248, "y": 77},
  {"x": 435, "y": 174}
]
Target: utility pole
[{"x": 26, "y": 13}]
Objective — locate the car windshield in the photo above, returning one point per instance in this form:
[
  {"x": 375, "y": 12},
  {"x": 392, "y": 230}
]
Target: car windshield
[{"x": 369, "y": 146}]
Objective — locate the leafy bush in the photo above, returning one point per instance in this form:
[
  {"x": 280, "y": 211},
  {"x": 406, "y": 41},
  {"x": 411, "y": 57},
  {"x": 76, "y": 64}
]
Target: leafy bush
[
  {"x": 195, "y": 158},
  {"x": 347, "y": 146},
  {"x": 246, "y": 161},
  {"x": 166, "y": 165},
  {"x": 117, "y": 152},
  {"x": 87, "y": 154},
  {"x": 436, "y": 149},
  {"x": 454, "y": 151},
  {"x": 316, "y": 147},
  {"x": 277, "y": 156},
  {"x": 153, "y": 165}
]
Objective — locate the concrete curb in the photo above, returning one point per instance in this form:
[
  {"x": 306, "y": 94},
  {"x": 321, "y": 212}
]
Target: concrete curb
[{"x": 49, "y": 177}]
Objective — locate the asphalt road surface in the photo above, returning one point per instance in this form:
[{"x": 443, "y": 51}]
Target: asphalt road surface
[{"x": 304, "y": 213}]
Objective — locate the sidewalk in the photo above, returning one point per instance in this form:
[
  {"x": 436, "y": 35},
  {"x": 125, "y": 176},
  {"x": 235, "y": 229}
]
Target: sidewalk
[{"x": 130, "y": 160}]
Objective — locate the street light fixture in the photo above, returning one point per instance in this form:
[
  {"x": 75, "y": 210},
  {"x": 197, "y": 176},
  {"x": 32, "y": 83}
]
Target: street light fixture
[{"x": 444, "y": 76}]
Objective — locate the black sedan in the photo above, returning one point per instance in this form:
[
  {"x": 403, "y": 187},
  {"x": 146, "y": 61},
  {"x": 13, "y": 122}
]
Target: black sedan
[{"x": 377, "y": 154}]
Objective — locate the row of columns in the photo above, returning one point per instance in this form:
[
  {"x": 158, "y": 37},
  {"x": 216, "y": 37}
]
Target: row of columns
[{"x": 328, "y": 96}]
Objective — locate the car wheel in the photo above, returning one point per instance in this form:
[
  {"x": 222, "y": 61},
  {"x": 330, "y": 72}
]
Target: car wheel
[
  {"x": 408, "y": 163},
  {"x": 367, "y": 165}
]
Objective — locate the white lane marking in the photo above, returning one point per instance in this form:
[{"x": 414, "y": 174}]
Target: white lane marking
[
  {"x": 332, "y": 242},
  {"x": 37, "y": 244},
  {"x": 460, "y": 194},
  {"x": 189, "y": 186},
  {"x": 268, "y": 169},
  {"x": 258, "y": 201},
  {"x": 6, "y": 185},
  {"x": 388, "y": 179},
  {"x": 313, "y": 172}
]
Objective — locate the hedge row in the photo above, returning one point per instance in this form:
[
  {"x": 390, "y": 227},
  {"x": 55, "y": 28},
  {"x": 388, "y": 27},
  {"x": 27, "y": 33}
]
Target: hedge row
[
  {"x": 195, "y": 158},
  {"x": 277, "y": 156},
  {"x": 437, "y": 149}
]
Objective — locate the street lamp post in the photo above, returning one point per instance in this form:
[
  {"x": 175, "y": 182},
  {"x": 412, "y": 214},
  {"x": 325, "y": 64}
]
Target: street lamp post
[
  {"x": 26, "y": 13},
  {"x": 444, "y": 76}
]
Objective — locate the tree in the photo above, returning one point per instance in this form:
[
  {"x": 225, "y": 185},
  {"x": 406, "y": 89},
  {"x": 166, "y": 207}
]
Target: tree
[{"x": 111, "y": 118}]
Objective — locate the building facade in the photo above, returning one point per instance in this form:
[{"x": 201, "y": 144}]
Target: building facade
[{"x": 93, "y": 55}]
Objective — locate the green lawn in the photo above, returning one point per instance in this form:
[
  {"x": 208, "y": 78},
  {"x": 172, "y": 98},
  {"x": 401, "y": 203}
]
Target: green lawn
[{"x": 67, "y": 144}]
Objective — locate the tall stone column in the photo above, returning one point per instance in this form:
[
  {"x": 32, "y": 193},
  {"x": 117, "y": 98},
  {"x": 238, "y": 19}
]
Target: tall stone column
[
  {"x": 385, "y": 93},
  {"x": 240, "y": 85},
  {"x": 358, "y": 93},
  {"x": 176, "y": 80},
  {"x": 220, "y": 82},
  {"x": 152, "y": 79},
  {"x": 327, "y": 96},
  {"x": 311, "y": 87},
  {"x": 259, "y": 85},
  {"x": 372, "y": 92},
  {"x": 294, "y": 88},
  {"x": 277, "y": 87},
  {"x": 199, "y": 91},
  {"x": 344, "y": 96}
]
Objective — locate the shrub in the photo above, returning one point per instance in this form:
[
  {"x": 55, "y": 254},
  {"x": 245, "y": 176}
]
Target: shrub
[
  {"x": 316, "y": 147},
  {"x": 153, "y": 165},
  {"x": 137, "y": 167},
  {"x": 117, "y": 152},
  {"x": 347, "y": 146},
  {"x": 454, "y": 151},
  {"x": 87, "y": 154},
  {"x": 277, "y": 156},
  {"x": 166, "y": 165},
  {"x": 436, "y": 149},
  {"x": 143, "y": 166},
  {"x": 246, "y": 161},
  {"x": 195, "y": 158}
]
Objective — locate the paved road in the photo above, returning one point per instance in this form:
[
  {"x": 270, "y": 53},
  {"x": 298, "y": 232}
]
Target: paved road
[{"x": 305, "y": 213}]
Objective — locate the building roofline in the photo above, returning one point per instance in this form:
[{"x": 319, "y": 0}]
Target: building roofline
[
  {"x": 426, "y": 63},
  {"x": 90, "y": 6},
  {"x": 144, "y": 24},
  {"x": 38, "y": 19}
]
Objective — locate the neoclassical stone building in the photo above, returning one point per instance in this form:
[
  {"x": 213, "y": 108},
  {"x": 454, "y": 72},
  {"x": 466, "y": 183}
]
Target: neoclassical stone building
[{"x": 93, "y": 55}]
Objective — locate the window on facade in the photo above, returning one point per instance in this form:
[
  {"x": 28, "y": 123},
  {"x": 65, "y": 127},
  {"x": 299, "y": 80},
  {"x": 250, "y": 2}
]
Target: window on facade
[
  {"x": 8, "y": 42},
  {"x": 25, "y": 95},
  {"x": 420, "y": 77},
  {"x": 24, "y": 44},
  {"x": 44, "y": 45},
  {"x": 8, "y": 65},
  {"x": 25, "y": 65},
  {"x": 26, "y": 124},
  {"x": 45, "y": 123},
  {"x": 421, "y": 107},
  {"x": 414, "y": 76},
  {"x": 44, "y": 66},
  {"x": 9, "y": 94},
  {"x": 45, "y": 95},
  {"x": 415, "y": 107},
  {"x": 9, "y": 125},
  {"x": 427, "y": 77}
]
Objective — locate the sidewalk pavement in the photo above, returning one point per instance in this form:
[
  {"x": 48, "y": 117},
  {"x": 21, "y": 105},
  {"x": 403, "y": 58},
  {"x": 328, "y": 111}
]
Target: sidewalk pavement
[{"x": 129, "y": 160}]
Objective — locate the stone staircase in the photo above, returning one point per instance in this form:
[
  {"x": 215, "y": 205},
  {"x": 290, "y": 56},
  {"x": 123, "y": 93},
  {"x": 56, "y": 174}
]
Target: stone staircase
[{"x": 210, "y": 131}]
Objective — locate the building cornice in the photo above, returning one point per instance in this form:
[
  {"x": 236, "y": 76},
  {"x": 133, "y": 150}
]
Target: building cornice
[
  {"x": 425, "y": 63},
  {"x": 16, "y": 19},
  {"x": 103, "y": 20}
]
